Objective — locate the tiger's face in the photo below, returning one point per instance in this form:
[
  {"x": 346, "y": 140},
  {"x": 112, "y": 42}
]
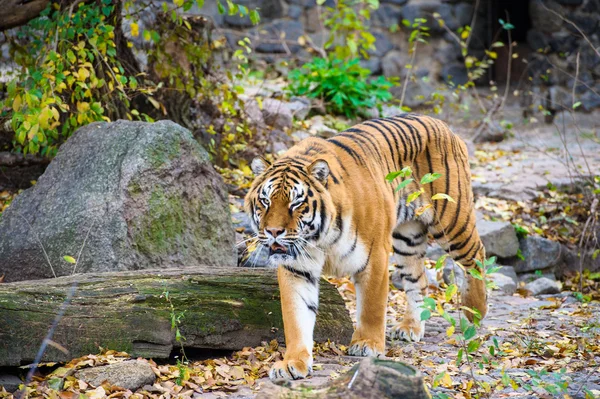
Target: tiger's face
[{"x": 289, "y": 208}]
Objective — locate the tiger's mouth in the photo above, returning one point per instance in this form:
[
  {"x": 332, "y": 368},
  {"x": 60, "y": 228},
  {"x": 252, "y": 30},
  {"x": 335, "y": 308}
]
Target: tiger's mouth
[{"x": 277, "y": 249}]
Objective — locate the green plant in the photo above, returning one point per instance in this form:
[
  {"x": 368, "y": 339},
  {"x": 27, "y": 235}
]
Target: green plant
[
  {"x": 176, "y": 318},
  {"x": 347, "y": 20},
  {"x": 344, "y": 86},
  {"x": 70, "y": 76}
]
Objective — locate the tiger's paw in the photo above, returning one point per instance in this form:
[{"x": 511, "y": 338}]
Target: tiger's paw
[
  {"x": 290, "y": 369},
  {"x": 409, "y": 330},
  {"x": 365, "y": 347}
]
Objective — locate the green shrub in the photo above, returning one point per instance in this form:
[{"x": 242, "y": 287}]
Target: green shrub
[{"x": 343, "y": 86}]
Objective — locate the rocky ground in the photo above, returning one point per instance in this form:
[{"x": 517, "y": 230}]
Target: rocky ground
[{"x": 544, "y": 328}]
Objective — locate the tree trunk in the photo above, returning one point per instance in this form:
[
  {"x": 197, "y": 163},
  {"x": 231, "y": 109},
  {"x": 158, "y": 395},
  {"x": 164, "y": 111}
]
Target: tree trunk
[
  {"x": 370, "y": 379},
  {"x": 15, "y": 13},
  {"x": 223, "y": 308}
]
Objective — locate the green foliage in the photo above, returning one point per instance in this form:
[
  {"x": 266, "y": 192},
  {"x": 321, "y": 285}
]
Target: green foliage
[
  {"x": 344, "y": 86},
  {"x": 70, "y": 76},
  {"x": 71, "y": 73},
  {"x": 349, "y": 36}
]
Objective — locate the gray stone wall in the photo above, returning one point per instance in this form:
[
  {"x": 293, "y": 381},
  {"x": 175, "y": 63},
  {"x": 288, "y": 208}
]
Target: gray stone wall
[{"x": 550, "y": 47}]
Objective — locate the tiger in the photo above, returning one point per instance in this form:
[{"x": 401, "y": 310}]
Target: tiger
[{"x": 325, "y": 208}]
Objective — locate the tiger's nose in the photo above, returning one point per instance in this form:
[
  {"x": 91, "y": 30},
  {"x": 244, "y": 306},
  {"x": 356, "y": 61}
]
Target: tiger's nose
[{"x": 275, "y": 231}]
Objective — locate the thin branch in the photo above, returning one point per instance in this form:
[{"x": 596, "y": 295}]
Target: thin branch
[
  {"x": 83, "y": 246},
  {"x": 39, "y": 242}
]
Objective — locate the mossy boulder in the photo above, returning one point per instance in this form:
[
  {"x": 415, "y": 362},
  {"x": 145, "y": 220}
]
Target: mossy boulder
[{"x": 141, "y": 195}]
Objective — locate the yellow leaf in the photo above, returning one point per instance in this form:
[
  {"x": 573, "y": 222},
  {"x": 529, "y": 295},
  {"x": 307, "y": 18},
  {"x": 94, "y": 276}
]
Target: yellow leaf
[
  {"x": 135, "y": 29},
  {"x": 447, "y": 381},
  {"x": 450, "y": 331},
  {"x": 33, "y": 131},
  {"x": 69, "y": 259},
  {"x": 464, "y": 34},
  {"x": 16, "y": 106},
  {"x": 439, "y": 196},
  {"x": 155, "y": 103}
]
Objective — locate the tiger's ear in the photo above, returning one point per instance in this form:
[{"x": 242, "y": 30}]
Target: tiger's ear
[
  {"x": 259, "y": 165},
  {"x": 319, "y": 169}
]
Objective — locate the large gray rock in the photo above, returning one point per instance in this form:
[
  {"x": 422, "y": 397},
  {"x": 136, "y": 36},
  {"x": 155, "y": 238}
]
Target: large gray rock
[
  {"x": 144, "y": 195},
  {"x": 499, "y": 238},
  {"x": 509, "y": 271},
  {"x": 539, "y": 253},
  {"x": 543, "y": 286},
  {"x": 130, "y": 375}
]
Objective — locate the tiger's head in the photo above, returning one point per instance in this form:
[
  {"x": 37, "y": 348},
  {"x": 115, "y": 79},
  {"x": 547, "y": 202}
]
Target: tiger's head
[{"x": 290, "y": 208}]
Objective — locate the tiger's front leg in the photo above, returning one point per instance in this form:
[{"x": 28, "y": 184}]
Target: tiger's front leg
[
  {"x": 299, "y": 303},
  {"x": 371, "y": 305}
]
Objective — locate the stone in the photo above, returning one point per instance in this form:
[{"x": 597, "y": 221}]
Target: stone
[
  {"x": 504, "y": 283},
  {"x": 544, "y": 20},
  {"x": 509, "y": 271},
  {"x": 434, "y": 252},
  {"x": 300, "y": 135},
  {"x": 573, "y": 263},
  {"x": 278, "y": 141},
  {"x": 386, "y": 16},
  {"x": 396, "y": 2},
  {"x": 463, "y": 13},
  {"x": 543, "y": 286},
  {"x": 536, "y": 39},
  {"x": 373, "y": 64},
  {"x": 418, "y": 92},
  {"x": 10, "y": 382},
  {"x": 279, "y": 37},
  {"x": 253, "y": 113},
  {"x": 499, "y": 238},
  {"x": 132, "y": 374},
  {"x": 529, "y": 277},
  {"x": 590, "y": 101},
  {"x": 277, "y": 114},
  {"x": 539, "y": 253},
  {"x": 560, "y": 98},
  {"x": 455, "y": 73},
  {"x": 458, "y": 277},
  {"x": 138, "y": 195},
  {"x": 383, "y": 44},
  {"x": 393, "y": 63},
  {"x": 294, "y": 11},
  {"x": 318, "y": 128},
  {"x": 299, "y": 107}
]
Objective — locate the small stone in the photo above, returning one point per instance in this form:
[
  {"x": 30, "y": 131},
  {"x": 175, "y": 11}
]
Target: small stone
[
  {"x": 300, "y": 135},
  {"x": 499, "y": 238},
  {"x": 539, "y": 253},
  {"x": 10, "y": 382},
  {"x": 543, "y": 286},
  {"x": 434, "y": 252},
  {"x": 299, "y": 107},
  {"x": 253, "y": 112},
  {"x": 319, "y": 128},
  {"x": 504, "y": 283},
  {"x": 131, "y": 374},
  {"x": 276, "y": 114},
  {"x": 509, "y": 271},
  {"x": 529, "y": 277}
]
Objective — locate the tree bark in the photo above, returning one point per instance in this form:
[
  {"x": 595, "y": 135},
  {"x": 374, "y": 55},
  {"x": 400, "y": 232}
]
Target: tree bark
[
  {"x": 224, "y": 308},
  {"x": 15, "y": 13},
  {"x": 370, "y": 379}
]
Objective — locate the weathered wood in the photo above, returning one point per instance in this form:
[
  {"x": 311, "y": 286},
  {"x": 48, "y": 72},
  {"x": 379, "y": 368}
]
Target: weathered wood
[
  {"x": 225, "y": 308},
  {"x": 370, "y": 379},
  {"x": 15, "y": 13}
]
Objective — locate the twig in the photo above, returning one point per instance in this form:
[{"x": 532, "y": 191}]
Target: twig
[
  {"x": 83, "y": 246},
  {"x": 409, "y": 74},
  {"x": 509, "y": 66},
  {"x": 39, "y": 242}
]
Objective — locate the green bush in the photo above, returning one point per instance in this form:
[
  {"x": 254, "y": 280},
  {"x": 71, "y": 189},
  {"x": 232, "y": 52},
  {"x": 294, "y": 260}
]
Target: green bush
[{"x": 343, "y": 86}]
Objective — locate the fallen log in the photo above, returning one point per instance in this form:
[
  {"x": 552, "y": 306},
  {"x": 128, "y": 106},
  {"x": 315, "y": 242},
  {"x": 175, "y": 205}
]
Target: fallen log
[
  {"x": 223, "y": 308},
  {"x": 370, "y": 379}
]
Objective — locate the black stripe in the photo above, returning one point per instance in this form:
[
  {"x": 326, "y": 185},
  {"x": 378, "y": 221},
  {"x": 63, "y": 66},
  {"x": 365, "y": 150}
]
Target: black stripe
[
  {"x": 401, "y": 134},
  {"x": 402, "y": 253},
  {"x": 348, "y": 150},
  {"x": 410, "y": 242},
  {"x": 389, "y": 144},
  {"x": 301, "y": 274},
  {"x": 363, "y": 267},
  {"x": 311, "y": 306},
  {"x": 353, "y": 247},
  {"x": 409, "y": 278}
]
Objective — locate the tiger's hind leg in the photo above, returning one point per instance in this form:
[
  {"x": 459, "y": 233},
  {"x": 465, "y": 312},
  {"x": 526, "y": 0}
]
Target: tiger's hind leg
[{"x": 409, "y": 245}]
